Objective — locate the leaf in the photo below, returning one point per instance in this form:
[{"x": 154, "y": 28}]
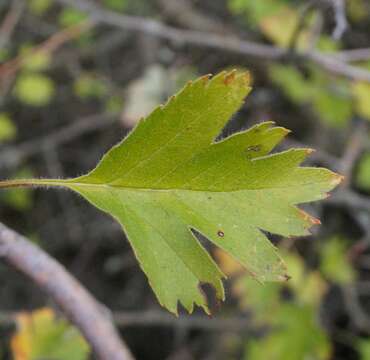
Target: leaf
[
  {"x": 297, "y": 335},
  {"x": 41, "y": 335},
  {"x": 170, "y": 176},
  {"x": 361, "y": 93},
  {"x": 8, "y": 130},
  {"x": 34, "y": 89},
  {"x": 335, "y": 264},
  {"x": 363, "y": 172}
]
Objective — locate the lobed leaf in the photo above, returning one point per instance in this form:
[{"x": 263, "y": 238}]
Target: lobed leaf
[{"x": 170, "y": 177}]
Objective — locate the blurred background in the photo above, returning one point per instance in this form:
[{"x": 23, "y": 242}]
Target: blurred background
[{"x": 76, "y": 76}]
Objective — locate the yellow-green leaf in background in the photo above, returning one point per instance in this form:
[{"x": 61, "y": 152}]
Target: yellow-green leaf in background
[
  {"x": 19, "y": 199},
  {"x": 70, "y": 16},
  {"x": 334, "y": 262},
  {"x": 34, "y": 89},
  {"x": 116, "y": 5},
  {"x": 361, "y": 93},
  {"x": 39, "y": 7},
  {"x": 41, "y": 335},
  {"x": 8, "y": 130},
  {"x": 297, "y": 335},
  {"x": 362, "y": 178},
  {"x": 89, "y": 86},
  {"x": 35, "y": 61}
]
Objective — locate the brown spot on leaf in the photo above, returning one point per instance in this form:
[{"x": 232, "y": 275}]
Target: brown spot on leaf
[
  {"x": 220, "y": 233},
  {"x": 254, "y": 148},
  {"x": 309, "y": 218},
  {"x": 285, "y": 277},
  {"x": 205, "y": 78},
  {"x": 309, "y": 151},
  {"x": 229, "y": 78}
]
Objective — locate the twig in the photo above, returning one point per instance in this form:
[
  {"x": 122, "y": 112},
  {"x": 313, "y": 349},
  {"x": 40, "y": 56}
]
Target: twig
[
  {"x": 306, "y": 8},
  {"x": 77, "y": 304},
  {"x": 341, "y": 23},
  {"x": 50, "y": 45},
  {"x": 155, "y": 318},
  {"x": 10, "y": 21},
  {"x": 353, "y": 55},
  {"x": 354, "y": 147},
  {"x": 215, "y": 41},
  {"x": 12, "y": 156}
]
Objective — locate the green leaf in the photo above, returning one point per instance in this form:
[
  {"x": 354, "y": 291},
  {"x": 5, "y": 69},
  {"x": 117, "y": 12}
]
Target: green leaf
[
  {"x": 170, "y": 176},
  {"x": 361, "y": 93},
  {"x": 334, "y": 263},
  {"x": 297, "y": 336},
  {"x": 70, "y": 17},
  {"x": 41, "y": 335},
  {"x": 363, "y": 172},
  {"x": 34, "y": 89},
  {"x": 8, "y": 130}
]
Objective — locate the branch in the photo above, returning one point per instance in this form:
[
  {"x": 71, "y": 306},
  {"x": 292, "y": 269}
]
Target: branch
[
  {"x": 215, "y": 41},
  {"x": 341, "y": 23},
  {"x": 154, "y": 318},
  {"x": 77, "y": 304},
  {"x": 11, "y": 156}
]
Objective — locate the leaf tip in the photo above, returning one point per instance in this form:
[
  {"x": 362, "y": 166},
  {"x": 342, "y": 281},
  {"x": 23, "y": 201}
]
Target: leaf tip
[
  {"x": 229, "y": 77},
  {"x": 309, "y": 151},
  {"x": 337, "y": 179},
  {"x": 284, "y": 277}
]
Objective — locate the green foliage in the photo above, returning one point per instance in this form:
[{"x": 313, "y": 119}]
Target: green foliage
[
  {"x": 361, "y": 92},
  {"x": 8, "y": 130},
  {"x": 255, "y": 11},
  {"x": 34, "y": 89},
  {"x": 330, "y": 98},
  {"x": 116, "y": 5},
  {"x": 89, "y": 86},
  {"x": 169, "y": 176},
  {"x": 363, "y": 347},
  {"x": 295, "y": 332},
  {"x": 298, "y": 337},
  {"x": 39, "y": 7},
  {"x": 19, "y": 199},
  {"x": 70, "y": 17},
  {"x": 363, "y": 172},
  {"x": 334, "y": 263},
  {"x": 36, "y": 61},
  {"x": 41, "y": 335}
]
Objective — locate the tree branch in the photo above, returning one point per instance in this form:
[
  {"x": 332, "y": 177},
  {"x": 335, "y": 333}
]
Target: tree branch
[
  {"x": 211, "y": 40},
  {"x": 77, "y": 304}
]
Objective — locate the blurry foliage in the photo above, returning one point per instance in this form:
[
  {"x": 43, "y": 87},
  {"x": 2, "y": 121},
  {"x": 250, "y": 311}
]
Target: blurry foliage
[
  {"x": 291, "y": 309},
  {"x": 361, "y": 92},
  {"x": 116, "y": 5},
  {"x": 151, "y": 89},
  {"x": 362, "y": 178},
  {"x": 19, "y": 199},
  {"x": 89, "y": 86},
  {"x": 39, "y": 7},
  {"x": 35, "y": 61},
  {"x": 69, "y": 17},
  {"x": 34, "y": 89},
  {"x": 329, "y": 97},
  {"x": 334, "y": 263},
  {"x": 41, "y": 335},
  {"x": 8, "y": 130}
]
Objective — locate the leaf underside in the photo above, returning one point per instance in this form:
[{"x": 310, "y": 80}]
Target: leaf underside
[{"x": 170, "y": 176}]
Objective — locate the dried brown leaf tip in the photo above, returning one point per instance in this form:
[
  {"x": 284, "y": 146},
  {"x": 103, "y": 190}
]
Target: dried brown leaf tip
[{"x": 229, "y": 78}]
